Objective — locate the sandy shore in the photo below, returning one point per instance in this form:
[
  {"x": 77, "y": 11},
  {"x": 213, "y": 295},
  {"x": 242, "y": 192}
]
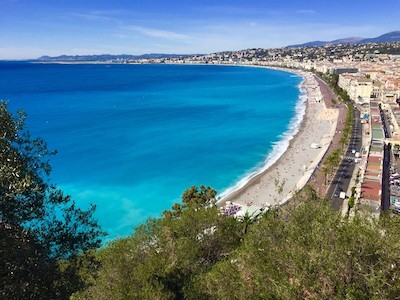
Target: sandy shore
[{"x": 294, "y": 168}]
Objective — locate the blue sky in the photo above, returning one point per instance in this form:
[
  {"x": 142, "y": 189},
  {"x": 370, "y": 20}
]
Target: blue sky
[{"x": 31, "y": 28}]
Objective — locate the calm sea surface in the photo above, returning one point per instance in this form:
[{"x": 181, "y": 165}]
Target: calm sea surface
[{"x": 132, "y": 138}]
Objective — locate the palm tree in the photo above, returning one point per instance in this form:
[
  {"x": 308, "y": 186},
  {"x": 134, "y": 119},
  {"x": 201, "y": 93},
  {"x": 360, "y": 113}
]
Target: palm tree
[
  {"x": 248, "y": 218},
  {"x": 325, "y": 170}
]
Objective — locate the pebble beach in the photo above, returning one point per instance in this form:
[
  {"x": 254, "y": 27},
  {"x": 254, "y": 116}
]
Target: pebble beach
[{"x": 290, "y": 173}]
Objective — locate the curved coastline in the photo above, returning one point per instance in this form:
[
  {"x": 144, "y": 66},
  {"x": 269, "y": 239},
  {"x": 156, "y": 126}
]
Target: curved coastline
[
  {"x": 254, "y": 188},
  {"x": 280, "y": 147}
]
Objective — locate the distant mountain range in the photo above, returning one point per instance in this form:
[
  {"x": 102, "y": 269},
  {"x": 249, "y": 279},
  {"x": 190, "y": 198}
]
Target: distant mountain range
[
  {"x": 106, "y": 57},
  {"x": 393, "y": 36}
]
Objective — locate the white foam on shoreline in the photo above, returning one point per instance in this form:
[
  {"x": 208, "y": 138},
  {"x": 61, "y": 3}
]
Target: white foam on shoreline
[{"x": 278, "y": 148}]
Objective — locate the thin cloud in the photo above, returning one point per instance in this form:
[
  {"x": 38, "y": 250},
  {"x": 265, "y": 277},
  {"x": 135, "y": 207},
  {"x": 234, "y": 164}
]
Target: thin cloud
[
  {"x": 237, "y": 11},
  {"x": 101, "y": 15},
  {"x": 306, "y": 12},
  {"x": 92, "y": 17},
  {"x": 120, "y": 36},
  {"x": 157, "y": 33},
  {"x": 111, "y": 12}
]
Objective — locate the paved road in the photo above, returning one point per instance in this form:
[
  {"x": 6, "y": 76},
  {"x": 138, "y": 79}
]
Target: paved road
[
  {"x": 318, "y": 180},
  {"x": 385, "y": 197},
  {"x": 342, "y": 178}
]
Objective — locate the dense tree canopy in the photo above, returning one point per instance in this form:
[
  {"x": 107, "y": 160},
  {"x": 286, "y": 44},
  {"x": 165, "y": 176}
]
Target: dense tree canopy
[
  {"x": 310, "y": 252},
  {"x": 45, "y": 240},
  {"x": 164, "y": 255},
  {"x": 304, "y": 250}
]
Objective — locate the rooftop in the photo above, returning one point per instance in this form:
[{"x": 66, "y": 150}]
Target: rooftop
[{"x": 371, "y": 190}]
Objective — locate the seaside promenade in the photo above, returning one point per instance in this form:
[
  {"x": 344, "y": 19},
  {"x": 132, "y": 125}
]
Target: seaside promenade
[
  {"x": 298, "y": 163},
  {"x": 318, "y": 181}
]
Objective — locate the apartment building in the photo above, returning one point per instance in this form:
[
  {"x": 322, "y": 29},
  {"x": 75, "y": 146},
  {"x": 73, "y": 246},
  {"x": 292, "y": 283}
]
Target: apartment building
[{"x": 358, "y": 86}]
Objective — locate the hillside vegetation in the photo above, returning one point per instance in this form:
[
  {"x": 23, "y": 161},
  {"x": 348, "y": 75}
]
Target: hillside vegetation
[
  {"x": 304, "y": 250},
  {"x": 301, "y": 251}
]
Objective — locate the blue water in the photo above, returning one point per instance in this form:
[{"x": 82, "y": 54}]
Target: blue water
[{"x": 132, "y": 138}]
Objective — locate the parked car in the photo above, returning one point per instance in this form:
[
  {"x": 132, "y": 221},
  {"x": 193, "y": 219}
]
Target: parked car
[{"x": 396, "y": 210}]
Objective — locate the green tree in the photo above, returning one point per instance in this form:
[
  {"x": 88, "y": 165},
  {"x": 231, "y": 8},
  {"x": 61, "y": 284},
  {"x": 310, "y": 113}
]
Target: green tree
[
  {"x": 45, "y": 239},
  {"x": 335, "y": 157},
  {"x": 350, "y": 203},
  {"x": 164, "y": 255},
  {"x": 193, "y": 198},
  {"x": 325, "y": 170},
  {"x": 330, "y": 163},
  {"x": 247, "y": 219},
  {"x": 343, "y": 141},
  {"x": 303, "y": 250},
  {"x": 307, "y": 251}
]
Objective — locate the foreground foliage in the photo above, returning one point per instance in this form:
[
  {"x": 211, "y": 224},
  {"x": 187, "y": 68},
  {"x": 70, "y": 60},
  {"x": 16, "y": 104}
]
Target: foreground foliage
[
  {"x": 310, "y": 254},
  {"x": 164, "y": 255},
  {"x": 45, "y": 240},
  {"x": 302, "y": 251}
]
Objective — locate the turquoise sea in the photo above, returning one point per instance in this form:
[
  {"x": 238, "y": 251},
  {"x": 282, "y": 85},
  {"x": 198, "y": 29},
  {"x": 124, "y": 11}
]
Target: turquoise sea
[{"x": 132, "y": 138}]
